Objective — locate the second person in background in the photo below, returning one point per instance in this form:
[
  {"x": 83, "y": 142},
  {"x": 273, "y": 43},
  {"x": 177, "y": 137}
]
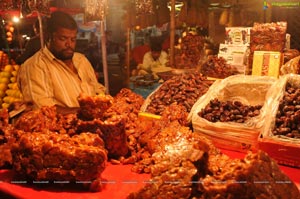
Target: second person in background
[{"x": 154, "y": 61}]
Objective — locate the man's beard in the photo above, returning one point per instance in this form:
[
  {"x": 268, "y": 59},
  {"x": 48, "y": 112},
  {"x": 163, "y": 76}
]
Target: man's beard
[{"x": 62, "y": 56}]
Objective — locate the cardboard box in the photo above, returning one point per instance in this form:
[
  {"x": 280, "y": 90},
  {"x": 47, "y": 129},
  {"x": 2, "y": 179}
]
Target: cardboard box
[
  {"x": 235, "y": 55},
  {"x": 283, "y": 152},
  {"x": 237, "y": 35},
  {"x": 231, "y": 49},
  {"x": 267, "y": 63}
]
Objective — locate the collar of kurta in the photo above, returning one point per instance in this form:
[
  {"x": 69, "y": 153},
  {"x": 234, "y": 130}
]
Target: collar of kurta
[
  {"x": 76, "y": 58},
  {"x": 48, "y": 53}
]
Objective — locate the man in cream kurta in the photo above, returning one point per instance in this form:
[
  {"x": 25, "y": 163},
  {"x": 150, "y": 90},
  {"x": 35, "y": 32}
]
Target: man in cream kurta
[
  {"x": 47, "y": 81},
  {"x": 56, "y": 75}
]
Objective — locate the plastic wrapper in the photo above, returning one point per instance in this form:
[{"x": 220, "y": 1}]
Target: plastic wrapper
[
  {"x": 249, "y": 90},
  {"x": 268, "y": 36},
  {"x": 282, "y": 148},
  {"x": 289, "y": 54},
  {"x": 292, "y": 66}
]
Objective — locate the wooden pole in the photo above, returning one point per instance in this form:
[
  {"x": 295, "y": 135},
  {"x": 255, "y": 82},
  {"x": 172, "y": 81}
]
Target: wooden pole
[
  {"x": 41, "y": 29},
  {"x": 172, "y": 32},
  {"x": 104, "y": 56},
  {"x": 128, "y": 56}
]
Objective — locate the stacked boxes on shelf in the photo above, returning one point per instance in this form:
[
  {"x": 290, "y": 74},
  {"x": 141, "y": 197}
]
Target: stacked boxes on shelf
[{"x": 267, "y": 43}]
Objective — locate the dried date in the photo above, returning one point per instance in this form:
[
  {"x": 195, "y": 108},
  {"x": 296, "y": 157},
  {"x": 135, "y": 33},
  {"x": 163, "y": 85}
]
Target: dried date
[
  {"x": 217, "y": 67},
  {"x": 228, "y": 111},
  {"x": 287, "y": 121},
  {"x": 183, "y": 89}
]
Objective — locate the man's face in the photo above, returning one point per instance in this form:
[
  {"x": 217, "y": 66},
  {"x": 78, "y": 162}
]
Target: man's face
[
  {"x": 155, "y": 54},
  {"x": 63, "y": 43}
]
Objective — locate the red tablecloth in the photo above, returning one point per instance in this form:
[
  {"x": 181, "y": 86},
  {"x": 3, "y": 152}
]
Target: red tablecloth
[
  {"x": 293, "y": 173},
  {"x": 120, "y": 181}
]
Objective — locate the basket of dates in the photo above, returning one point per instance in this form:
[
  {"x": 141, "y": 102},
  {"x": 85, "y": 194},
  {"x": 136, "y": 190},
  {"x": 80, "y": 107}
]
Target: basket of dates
[
  {"x": 232, "y": 112},
  {"x": 280, "y": 137}
]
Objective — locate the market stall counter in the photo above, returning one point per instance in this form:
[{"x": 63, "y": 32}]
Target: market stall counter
[{"x": 119, "y": 181}]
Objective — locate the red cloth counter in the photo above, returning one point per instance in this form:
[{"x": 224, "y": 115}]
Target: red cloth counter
[
  {"x": 118, "y": 179},
  {"x": 118, "y": 182},
  {"x": 293, "y": 173}
]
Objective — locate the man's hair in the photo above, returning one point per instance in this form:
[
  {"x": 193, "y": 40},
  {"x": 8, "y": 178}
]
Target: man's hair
[
  {"x": 60, "y": 19},
  {"x": 155, "y": 44}
]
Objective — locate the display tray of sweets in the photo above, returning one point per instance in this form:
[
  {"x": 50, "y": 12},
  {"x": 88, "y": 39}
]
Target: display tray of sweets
[
  {"x": 280, "y": 136},
  {"x": 232, "y": 112},
  {"x": 183, "y": 89}
]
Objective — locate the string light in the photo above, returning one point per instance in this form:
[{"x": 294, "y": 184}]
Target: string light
[
  {"x": 95, "y": 10},
  {"x": 143, "y": 7}
]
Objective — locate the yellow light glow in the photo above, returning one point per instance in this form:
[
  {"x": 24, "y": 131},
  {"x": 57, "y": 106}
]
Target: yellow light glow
[
  {"x": 16, "y": 19},
  {"x": 178, "y": 6}
]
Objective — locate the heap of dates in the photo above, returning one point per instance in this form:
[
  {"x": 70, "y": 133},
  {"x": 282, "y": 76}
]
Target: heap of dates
[
  {"x": 217, "y": 67},
  {"x": 287, "y": 121},
  {"x": 228, "y": 111},
  {"x": 183, "y": 89},
  {"x": 191, "y": 50}
]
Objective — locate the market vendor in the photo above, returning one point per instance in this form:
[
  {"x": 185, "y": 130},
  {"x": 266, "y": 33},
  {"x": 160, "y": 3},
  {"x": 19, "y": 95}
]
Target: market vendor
[
  {"x": 154, "y": 61},
  {"x": 56, "y": 75}
]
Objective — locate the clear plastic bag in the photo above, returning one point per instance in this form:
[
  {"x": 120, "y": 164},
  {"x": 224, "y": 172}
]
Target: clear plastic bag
[
  {"x": 292, "y": 66},
  {"x": 278, "y": 90},
  {"x": 282, "y": 148},
  {"x": 250, "y": 90}
]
